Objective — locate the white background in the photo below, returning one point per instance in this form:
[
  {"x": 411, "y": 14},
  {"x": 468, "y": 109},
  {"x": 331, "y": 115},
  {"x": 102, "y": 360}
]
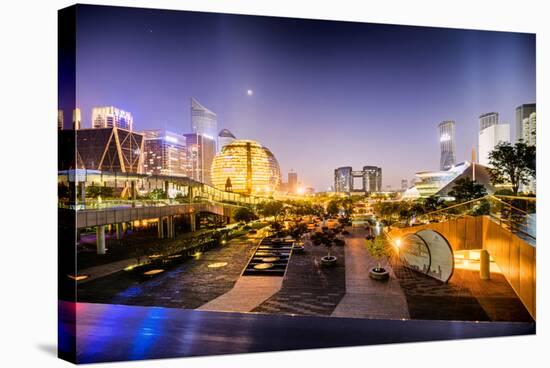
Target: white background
[{"x": 28, "y": 84}]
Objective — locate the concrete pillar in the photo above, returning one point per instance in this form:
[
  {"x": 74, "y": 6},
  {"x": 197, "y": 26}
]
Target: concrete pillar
[
  {"x": 170, "y": 223},
  {"x": 161, "y": 227},
  {"x": 100, "y": 239},
  {"x": 124, "y": 227},
  {"x": 484, "y": 265},
  {"x": 119, "y": 232},
  {"x": 193, "y": 222}
]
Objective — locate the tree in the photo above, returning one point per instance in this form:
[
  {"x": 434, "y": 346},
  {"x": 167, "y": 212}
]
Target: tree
[
  {"x": 325, "y": 238},
  {"x": 513, "y": 164},
  {"x": 244, "y": 214},
  {"x": 378, "y": 249},
  {"x": 466, "y": 189},
  {"x": 333, "y": 207},
  {"x": 271, "y": 208}
]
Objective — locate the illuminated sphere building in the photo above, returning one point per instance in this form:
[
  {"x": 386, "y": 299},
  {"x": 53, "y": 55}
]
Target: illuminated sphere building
[{"x": 252, "y": 169}]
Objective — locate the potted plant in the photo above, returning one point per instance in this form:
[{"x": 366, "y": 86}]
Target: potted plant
[
  {"x": 327, "y": 239},
  {"x": 378, "y": 249}
]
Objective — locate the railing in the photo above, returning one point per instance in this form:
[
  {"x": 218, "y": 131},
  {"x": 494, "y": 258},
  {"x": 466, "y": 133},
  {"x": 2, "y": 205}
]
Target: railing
[
  {"x": 96, "y": 204},
  {"x": 517, "y": 214}
]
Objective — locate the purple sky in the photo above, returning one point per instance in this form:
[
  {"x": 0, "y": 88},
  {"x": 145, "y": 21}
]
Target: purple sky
[{"x": 326, "y": 94}]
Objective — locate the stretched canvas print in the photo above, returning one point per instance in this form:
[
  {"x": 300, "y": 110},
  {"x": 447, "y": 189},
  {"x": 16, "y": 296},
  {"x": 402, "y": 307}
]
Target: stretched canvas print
[{"x": 235, "y": 183}]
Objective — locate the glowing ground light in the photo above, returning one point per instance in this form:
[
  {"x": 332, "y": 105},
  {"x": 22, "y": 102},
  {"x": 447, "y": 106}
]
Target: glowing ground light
[
  {"x": 270, "y": 259},
  {"x": 77, "y": 277},
  {"x": 153, "y": 272},
  {"x": 263, "y": 266},
  {"x": 397, "y": 243},
  {"x": 217, "y": 265}
]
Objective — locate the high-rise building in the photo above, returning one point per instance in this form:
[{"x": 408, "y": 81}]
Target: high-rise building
[
  {"x": 111, "y": 117},
  {"x": 60, "y": 119},
  {"x": 77, "y": 119},
  {"x": 404, "y": 184},
  {"x": 203, "y": 121},
  {"x": 343, "y": 179},
  {"x": 225, "y": 137},
  {"x": 487, "y": 119},
  {"x": 249, "y": 167},
  {"x": 523, "y": 112},
  {"x": 447, "y": 144},
  {"x": 529, "y": 126},
  {"x": 165, "y": 153},
  {"x": 489, "y": 138},
  {"x": 372, "y": 179},
  {"x": 200, "y": 153},
  {"x": 292, "y": 182}
]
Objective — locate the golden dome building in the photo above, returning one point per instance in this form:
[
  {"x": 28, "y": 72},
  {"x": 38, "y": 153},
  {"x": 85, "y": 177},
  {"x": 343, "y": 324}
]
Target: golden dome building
[{"x": 244, "y": 166}]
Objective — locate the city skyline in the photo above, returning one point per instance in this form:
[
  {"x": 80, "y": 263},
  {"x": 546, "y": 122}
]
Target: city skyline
[{"x": 300, "y": 74}]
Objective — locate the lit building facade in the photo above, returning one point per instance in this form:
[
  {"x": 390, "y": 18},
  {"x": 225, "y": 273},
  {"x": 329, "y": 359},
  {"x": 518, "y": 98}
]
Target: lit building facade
[
  {"x": 275, "y": 170},
  {"x": 60, "y": 119},
  {"x": 489, "y": 138},
  {"x": 487, "y": 119},
  {"x": 203, "y": 121},
  {"x": 165, "y": 153},
  {"x": 372, "y": 179},
  {"x": 250, "y": 168},
  {"x": 343, "y": 179},
  {"x": 523, "y": 112},
  {"x": 109, "y": 149},
  {"x": 440, "y": 183},
  {"x": 225, "y": 137},
  {"x": 111, "y": 117},
  {"x": 77, "y": 119},
  {"x": 529, "y": 126},
  {"x": 447, "y": 144},
  {"x": 200, "y": 154}
]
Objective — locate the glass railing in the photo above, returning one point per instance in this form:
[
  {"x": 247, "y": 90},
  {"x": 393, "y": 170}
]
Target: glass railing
[{"x": 517, "y": 214}]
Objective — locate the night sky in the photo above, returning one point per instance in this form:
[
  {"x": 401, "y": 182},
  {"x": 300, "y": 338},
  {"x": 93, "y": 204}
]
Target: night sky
[{"x": 326, "y": 94}]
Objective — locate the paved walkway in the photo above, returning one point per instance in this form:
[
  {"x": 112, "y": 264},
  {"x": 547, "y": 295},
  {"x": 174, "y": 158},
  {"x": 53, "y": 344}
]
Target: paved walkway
[
  {"x": 248, "y": 292},
  {"x": 367, "y": 298}
]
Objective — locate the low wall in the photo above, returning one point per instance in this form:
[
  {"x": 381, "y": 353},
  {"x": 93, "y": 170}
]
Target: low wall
[{"x": 515, "y": 257}]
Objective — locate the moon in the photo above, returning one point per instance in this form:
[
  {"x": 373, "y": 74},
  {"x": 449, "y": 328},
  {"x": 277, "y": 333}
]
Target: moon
[{"x": 249, "y": 92}]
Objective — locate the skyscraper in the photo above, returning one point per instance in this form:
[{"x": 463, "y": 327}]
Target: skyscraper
[
  {"x": 165, "y": 153},
  {"x": 489, "y": 138},
  {"x": 372, "y": 179},
  {"x": 111, "y": 117},
  {"x": 200, "y": 153},
  {"x": 203, "y": 121},
  {"x": 447, "y": 144},
  {"x": 488, "y": 119},
  {"x": 529, "y": 132},
  {"x": 225, "y": 137},
  {"x": 343, "y": 180},
  {"x": 523, "y": 112},
  {"x": 404, "y": 184},
  {"x": 292, "y": 182},
  {"x": 491, "y": 133}
]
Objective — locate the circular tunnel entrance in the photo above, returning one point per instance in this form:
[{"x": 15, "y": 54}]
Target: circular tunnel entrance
[{"x": 427, "y": 252}]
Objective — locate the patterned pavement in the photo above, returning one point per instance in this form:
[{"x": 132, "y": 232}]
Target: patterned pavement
[{"x": 309, "y": 289}]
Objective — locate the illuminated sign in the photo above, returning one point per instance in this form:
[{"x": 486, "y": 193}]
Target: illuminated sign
[{"x": 445, "y": 137}]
